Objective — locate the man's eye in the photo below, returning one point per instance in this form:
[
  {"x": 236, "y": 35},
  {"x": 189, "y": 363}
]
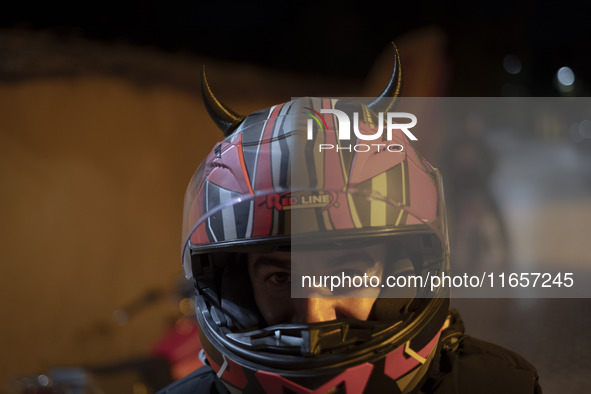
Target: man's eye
[{"x": 280, "y": 278}]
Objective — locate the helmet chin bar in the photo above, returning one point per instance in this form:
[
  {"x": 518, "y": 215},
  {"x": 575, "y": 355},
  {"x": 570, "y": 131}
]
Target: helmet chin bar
[
  {"x": 303, "y": 349},
  {"x": 312, "y": 339}
]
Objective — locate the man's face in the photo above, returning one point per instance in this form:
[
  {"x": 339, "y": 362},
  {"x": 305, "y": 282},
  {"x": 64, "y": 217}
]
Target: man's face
[{"x": 271, "y": 277}]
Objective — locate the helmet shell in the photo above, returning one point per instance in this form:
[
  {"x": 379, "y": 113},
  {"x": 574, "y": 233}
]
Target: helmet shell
[{"x": 269, "y": 184}]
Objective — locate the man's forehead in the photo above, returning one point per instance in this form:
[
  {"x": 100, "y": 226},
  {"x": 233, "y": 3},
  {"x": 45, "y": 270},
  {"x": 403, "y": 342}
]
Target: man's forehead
[{"x": 373, "y": 252}]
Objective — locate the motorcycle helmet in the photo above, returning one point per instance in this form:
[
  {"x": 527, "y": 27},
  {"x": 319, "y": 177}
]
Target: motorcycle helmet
[{"x": 284, "y": 179}]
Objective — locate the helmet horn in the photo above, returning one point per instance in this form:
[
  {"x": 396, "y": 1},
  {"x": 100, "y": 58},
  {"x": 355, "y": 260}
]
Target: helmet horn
[
  {"x": 224, "y": 117},
  {"x": 393, "y": 90}
]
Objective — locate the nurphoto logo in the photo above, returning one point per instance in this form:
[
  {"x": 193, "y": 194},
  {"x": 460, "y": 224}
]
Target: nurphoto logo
[{"x": 363, "y": 133}]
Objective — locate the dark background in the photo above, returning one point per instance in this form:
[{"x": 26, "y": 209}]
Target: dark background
[{"x": 317, "y": 36}]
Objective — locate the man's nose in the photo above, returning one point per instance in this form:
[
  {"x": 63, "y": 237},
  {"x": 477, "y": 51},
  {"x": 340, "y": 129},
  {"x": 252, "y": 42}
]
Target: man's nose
[{"x": 316, "y": 310}]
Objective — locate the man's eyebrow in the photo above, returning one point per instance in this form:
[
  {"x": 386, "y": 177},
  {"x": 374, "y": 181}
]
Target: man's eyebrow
[{"x": 265, "y": 261}]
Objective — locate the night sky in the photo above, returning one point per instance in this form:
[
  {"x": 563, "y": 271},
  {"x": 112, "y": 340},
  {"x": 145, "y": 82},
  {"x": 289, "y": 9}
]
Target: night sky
[{"x": 315, "y": 37}]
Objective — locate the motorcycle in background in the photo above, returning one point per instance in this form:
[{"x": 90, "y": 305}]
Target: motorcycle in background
[{"x": 172, "y": 356}]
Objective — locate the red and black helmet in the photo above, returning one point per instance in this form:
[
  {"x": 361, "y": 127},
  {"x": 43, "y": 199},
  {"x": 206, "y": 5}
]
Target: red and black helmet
[{"x": 269, "y": 186}]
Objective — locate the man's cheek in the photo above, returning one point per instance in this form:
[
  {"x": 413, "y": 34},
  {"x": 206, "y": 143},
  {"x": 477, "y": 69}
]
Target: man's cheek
[{"x": 278, "y": 313}]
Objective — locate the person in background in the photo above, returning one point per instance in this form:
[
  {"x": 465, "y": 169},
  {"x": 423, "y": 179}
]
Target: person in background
[{"x": 279, "y": 212}]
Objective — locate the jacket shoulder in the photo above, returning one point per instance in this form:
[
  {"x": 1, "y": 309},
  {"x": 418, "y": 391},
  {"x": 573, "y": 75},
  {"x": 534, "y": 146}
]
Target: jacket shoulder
[
  {"x": 483, "y": 367},
  {"x": 469, "y": 365}
]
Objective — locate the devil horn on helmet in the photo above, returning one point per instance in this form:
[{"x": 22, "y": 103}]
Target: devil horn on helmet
[
  {"x": 224, "y": 117},
  {"x": 380, "y": 103}
]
